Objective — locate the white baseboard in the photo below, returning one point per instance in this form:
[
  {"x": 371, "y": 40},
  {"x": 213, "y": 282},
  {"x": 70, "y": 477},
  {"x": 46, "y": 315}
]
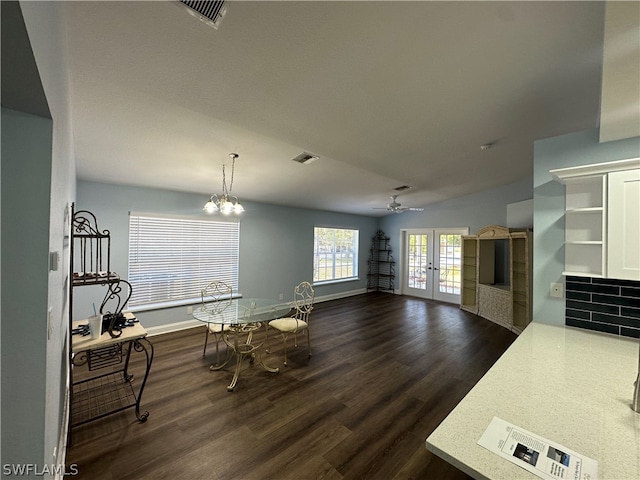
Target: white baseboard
[
  {"x": 173, "y": 327},
  {"x": 336, "y": 296}
]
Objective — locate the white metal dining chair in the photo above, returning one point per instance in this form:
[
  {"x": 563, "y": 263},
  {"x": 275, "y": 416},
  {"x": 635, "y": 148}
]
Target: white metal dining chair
[
  {"x": 216, "y": 298},
  {"x": 303, "y": 297}
]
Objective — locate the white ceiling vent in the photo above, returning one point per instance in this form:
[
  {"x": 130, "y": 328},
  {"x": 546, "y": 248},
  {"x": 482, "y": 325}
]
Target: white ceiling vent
[
  {"x": 306, "y": 158},
  {"x": 209, "y": 12}
]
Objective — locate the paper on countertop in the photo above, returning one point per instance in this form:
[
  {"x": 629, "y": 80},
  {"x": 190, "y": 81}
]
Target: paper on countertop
[{"x": 538, "y": 455}]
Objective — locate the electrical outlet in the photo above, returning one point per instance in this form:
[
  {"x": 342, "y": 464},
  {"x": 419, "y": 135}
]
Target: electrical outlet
[
  {"x": 281, "y": 296},
  {"x": 555, "y": 290},
  {"x": 189, "y": 310}
]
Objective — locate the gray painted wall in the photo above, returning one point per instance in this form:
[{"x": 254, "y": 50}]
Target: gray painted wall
[
  {"x": 38, "y": 182},
  {"x": 276, "y": 243},
  {"x": 26, "y": 153},
  {"x": 580, "y": 148}
]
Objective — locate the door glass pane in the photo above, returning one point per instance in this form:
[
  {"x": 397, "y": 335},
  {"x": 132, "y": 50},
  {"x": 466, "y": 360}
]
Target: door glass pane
[
  {"x": 450, "y": 248},
  {"x": 417, "y": 261}
]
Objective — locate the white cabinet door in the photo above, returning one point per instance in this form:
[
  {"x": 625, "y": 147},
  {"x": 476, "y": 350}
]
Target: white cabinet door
[{"x": 624, "y": 225}]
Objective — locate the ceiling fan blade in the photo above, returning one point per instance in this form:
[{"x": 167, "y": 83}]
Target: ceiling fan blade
[{"x": 396, "y": 207}]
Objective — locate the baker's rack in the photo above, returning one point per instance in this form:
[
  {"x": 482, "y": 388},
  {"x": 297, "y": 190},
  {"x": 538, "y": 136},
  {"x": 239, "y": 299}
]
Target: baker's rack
[{"x": 91, "y": 396}]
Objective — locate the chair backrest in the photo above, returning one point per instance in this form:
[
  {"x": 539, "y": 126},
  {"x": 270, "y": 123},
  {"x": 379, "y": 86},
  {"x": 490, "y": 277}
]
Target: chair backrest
[
  {"x": 216, "y": 297},
  {"x": 303, "y": 296}
]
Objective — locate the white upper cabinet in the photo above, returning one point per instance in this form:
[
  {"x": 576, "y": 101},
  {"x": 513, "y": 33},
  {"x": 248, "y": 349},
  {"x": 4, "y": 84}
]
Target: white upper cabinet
[
  {"x": 602, "y": 219},
  {"x": 624, "y": 225}
]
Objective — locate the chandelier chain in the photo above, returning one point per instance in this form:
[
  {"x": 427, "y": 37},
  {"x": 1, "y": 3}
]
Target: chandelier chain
[
  {"x": 224, "y": 181},
  {"x": 227, "y": 191}
]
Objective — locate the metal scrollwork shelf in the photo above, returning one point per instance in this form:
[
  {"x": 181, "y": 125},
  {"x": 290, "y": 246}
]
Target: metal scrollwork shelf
[
  {"x": 111, "y": 392},
  {"x": 381, "y": 274},
  {"x": 96, "y": 396}
]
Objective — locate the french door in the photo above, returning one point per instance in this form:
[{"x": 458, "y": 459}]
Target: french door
[{"x": 431, "y": 260}]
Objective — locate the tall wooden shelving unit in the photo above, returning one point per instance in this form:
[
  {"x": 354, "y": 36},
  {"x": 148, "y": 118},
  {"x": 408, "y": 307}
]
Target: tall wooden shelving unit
[
  {"x": 505, "y": 299},
  {"x": 469, "y": 297},
  {"x": 381, "y": 274}
]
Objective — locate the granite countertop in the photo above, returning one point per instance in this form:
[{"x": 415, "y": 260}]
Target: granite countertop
[{"x": 571, "y": 386}]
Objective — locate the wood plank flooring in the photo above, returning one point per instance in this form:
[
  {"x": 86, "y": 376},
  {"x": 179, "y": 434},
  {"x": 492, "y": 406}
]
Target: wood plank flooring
[{"x": 385, "y": 370}]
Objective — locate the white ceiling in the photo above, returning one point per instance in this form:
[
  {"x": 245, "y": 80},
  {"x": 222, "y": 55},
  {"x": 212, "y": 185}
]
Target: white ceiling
[{"x": 386, "y": 93}]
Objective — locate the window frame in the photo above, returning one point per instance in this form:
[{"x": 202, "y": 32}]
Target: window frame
[{"x": 355, "y": 251}]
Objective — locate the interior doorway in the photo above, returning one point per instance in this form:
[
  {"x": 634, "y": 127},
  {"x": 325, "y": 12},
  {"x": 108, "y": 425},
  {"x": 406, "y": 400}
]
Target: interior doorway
[{"x": 431, "y": 263}]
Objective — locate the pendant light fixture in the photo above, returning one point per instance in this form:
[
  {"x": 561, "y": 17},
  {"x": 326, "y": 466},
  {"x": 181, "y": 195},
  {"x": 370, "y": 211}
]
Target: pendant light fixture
[{"x": 225, "y": 203}]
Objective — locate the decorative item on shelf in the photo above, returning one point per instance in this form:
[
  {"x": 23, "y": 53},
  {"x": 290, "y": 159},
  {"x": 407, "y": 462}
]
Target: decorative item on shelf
[{"x": 224, "y": 203}]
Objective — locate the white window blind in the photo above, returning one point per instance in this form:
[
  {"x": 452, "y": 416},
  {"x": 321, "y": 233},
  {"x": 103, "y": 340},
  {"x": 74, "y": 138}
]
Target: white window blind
[{"x": 174, "y": 258}]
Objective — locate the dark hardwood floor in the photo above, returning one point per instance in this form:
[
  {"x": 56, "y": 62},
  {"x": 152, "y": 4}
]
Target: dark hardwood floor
[{"x": 385, "y": 371}]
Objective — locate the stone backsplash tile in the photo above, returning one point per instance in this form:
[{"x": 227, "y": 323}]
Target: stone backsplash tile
[{"x": 603, "y": 304}]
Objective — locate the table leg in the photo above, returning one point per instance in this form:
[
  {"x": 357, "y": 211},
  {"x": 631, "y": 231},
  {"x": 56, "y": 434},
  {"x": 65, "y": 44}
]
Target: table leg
[
  {"x": 236, "y": 373},
  {"x": 265, "y": 366},
  {"x": 218, "y": 366},
  {"x": 241, "y": 350}
]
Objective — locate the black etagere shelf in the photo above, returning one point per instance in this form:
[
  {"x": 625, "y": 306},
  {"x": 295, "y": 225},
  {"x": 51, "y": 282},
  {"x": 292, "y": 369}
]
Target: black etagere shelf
[{"x": 381, "y": 274}]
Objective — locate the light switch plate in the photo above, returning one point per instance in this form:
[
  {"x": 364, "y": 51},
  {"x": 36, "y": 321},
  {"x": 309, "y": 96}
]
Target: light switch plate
[
  {"x": 54, "y": 261},
  {"x": 49, "y": 323}
]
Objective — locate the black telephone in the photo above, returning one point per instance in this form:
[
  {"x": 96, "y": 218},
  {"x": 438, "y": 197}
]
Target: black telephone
[{"x": 113, "y": 323}]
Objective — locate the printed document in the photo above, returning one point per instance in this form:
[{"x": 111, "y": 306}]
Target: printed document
[{"x": 538, "y": 455}]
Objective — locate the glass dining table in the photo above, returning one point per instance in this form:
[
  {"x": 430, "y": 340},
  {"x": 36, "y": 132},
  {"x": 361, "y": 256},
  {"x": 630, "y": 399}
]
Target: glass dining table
[{"x": 241, "y": 320}]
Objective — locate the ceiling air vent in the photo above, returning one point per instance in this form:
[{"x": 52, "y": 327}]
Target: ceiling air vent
[
  {"x": 209, "y": 12},
  {"x": 306, "y": 158},
  {"x": 402, "y": 188}
]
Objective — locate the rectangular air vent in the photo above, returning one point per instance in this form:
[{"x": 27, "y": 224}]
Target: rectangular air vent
[
  {"x": 306, "y": 158},
  {"x": 209, "y": 12}
]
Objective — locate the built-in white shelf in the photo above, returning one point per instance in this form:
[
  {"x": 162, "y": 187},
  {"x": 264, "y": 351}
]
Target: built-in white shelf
[{"x": 590, "y": 239}]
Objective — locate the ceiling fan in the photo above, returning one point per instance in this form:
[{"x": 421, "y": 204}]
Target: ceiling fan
[{"x": 396, "y": 207}]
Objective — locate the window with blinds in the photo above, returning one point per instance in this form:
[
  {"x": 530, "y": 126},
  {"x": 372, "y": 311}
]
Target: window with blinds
[{"x": 172, "y": 259}]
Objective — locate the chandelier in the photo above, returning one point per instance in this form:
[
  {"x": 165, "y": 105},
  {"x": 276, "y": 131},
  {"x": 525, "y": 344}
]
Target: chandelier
[{"x": 224, "y": 203}]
